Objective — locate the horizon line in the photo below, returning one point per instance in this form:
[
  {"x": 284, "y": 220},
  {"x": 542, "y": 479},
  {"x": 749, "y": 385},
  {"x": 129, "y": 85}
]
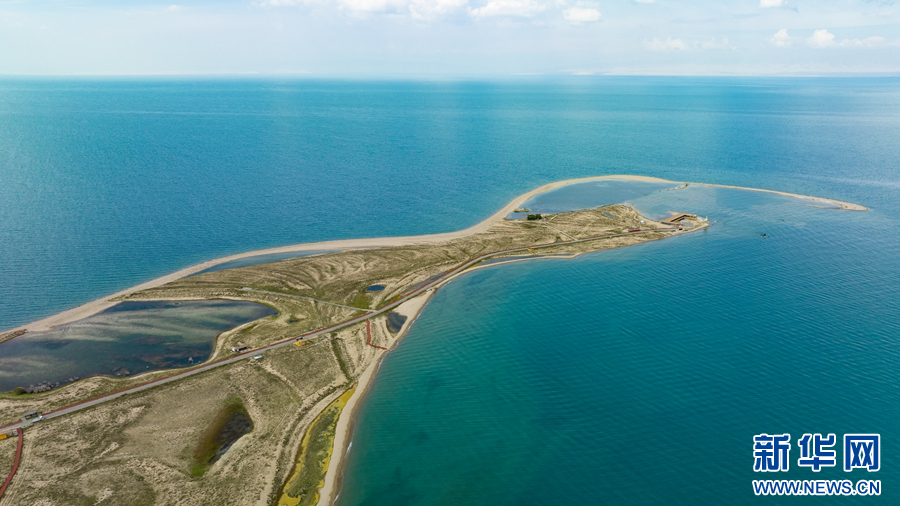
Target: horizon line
[{"x": 451, "y": 76}]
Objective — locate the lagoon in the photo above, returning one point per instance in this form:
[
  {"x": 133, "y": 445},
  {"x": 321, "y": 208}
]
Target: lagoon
[{"x": 129, "y": 338}]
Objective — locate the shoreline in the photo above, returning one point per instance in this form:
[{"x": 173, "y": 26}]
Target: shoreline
[
  {"x": 334, "y": 475},
  {"x": 97, "y": 305},
  {"x": 346, "y": 420},
  {"x": 411, "y": 307}
]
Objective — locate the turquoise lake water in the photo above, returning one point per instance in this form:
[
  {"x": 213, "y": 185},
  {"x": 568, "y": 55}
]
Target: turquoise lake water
[
  {"x": 636, "y": 376},
  {"x": 640, "y": 375}
]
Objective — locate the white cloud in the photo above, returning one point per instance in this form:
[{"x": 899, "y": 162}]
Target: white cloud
[
  {"x": 418, "y": 9},
  {"x": 669, "y": 44},
  {"x": 770, "y": 3},
  {"x": 578, "y": 15},
  {"x": 824, "y": 38},
  {"x": 714, "y": 44},
  {"x": 645, "y": 1},
  {"x": 175, "y": 8},
  {"x": 279, "y": 3},
  {"x": 514, "y": 8},
  {"x": 821, "y": 38},
  {"x": 429, "y": 9},
  {"x": 781, "y": 38},
  {"x": 367, "y": 6},
  {"x": 867, "y": 42}
]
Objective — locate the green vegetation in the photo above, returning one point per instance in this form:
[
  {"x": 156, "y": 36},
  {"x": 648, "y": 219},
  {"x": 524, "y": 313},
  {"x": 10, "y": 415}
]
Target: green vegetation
[
  {"x": 302, "y": 488},
  {"x": 337, "y": 347},
  {"x": 229, "y": 424},
  {"x": 361, "y": 300}
]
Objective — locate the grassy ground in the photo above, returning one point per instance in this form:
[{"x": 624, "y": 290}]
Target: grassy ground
[
  {"x": 341, "y": 278},
  {"x": 140, "y": 449},
  {"x": 7, "y": 454}
]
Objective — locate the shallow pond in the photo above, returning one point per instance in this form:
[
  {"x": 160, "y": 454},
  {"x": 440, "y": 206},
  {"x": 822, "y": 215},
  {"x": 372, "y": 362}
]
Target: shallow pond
[
  {"x": 237, "y": 424},
  {"x": 129, "y": 338}
]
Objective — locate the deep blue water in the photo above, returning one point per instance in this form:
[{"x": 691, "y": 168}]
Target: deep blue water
[
  {"x": 632, "y": 376},
  {"x": 107, "y": 183}
]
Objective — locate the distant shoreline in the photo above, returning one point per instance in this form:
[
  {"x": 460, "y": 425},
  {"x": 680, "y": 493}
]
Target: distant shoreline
[{"x": 95, "y": 306}]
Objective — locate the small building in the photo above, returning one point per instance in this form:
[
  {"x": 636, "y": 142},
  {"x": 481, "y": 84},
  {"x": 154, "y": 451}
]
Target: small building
[
  {"x": 677, "y": 218},
  {"x": 239, "y": 348}
]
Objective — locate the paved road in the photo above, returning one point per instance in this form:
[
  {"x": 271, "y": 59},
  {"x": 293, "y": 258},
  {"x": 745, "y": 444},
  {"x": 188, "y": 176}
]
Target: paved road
[{"x": 346, "y": 323}]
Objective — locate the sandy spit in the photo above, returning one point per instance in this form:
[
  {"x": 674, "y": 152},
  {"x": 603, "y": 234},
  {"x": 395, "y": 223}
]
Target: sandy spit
[
  {"x": 848, "y": 206},
  {"x": 93, "y": 307}
]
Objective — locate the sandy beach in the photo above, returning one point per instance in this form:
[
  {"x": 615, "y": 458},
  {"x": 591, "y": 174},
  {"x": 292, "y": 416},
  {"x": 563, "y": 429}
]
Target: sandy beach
[{"x": 98, "y": 305}]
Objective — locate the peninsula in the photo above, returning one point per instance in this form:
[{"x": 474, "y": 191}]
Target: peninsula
[{"x": 267, "y": 424}]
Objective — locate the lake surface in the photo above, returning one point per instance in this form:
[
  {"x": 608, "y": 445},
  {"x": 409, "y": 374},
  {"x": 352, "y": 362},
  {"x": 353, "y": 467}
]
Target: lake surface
[
  {"x": 129, "y": 338},
  {"x": 640, "y": 375},
  {"x": 632, "y": 376},
  {"x": 107, "y": 183}
]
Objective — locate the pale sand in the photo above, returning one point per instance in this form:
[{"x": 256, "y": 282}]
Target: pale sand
[
  {"x": 410, "y": 309},
  {"x": 848, "y": 206},
  {"x": 90, "y": 308}
]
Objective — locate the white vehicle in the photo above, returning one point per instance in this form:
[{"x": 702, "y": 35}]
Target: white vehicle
[{"x": 257, "y": 357}]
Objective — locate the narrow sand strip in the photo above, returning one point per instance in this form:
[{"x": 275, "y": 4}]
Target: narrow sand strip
[
  {"x": 90, "y": 308},
  {"x": 847, "y": 206}
]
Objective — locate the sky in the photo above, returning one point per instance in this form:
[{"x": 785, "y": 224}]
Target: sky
[{"x": 398, "y": 38}]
